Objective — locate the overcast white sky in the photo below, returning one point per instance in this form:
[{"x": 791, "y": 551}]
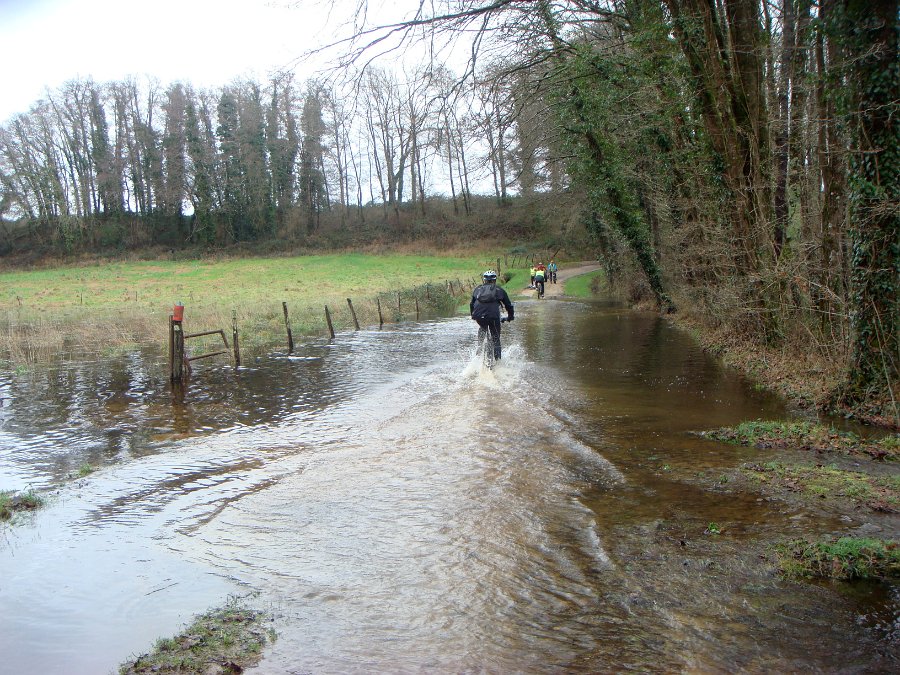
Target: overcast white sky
[{"x": 44, "y": 43}]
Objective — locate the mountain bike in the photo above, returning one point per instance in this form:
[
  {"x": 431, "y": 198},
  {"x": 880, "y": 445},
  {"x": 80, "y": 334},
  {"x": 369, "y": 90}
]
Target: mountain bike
[{"x": 540, "y": 288}]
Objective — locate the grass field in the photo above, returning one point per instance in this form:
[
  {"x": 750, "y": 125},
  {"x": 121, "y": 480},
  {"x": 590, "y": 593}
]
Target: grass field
[
  {"x": 585, "y": 285},
  {"x": 237, "y": 282},
  {"x": 110, "y": 306}
]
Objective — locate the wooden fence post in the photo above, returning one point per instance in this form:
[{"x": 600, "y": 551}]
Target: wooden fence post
[
  {"x": 380, "y": 318},
  {"x": 417, "y": 309},
  {"x": 328, "y": 319},
  {"x": 234, "y": 337},
  {"x": 353, "y": 312},
  {"x": 177, "y": 359},
  {"x": 287, "y": 325},
  {"x": 398, "y": 302},
  {"x": 171, "y": 348}
]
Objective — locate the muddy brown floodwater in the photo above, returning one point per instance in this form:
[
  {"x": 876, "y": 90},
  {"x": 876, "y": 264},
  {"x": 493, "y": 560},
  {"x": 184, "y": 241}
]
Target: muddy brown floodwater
[{"x": 395, "y": 508}]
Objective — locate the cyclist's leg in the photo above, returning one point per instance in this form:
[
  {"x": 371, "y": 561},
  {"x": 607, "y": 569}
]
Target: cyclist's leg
[
  {"x": 494, "y": 327},
  {"x": 486, "y": 340}
]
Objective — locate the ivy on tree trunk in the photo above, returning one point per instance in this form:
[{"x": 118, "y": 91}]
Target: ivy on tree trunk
[{"x": 868, "y": 32}]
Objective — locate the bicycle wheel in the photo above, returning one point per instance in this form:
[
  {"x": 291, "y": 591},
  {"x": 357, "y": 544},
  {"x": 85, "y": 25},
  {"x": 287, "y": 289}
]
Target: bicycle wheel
[{"x": 487, "y": 352}]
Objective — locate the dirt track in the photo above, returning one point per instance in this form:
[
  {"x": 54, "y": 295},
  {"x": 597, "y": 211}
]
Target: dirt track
[{"x": 565, "y": 272}]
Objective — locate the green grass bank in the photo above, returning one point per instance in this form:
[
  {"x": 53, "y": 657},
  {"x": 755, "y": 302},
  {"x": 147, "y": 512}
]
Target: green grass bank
[
  {"x": 585, "y": 285},
  {"x": 93, "y": 308},
  {"x": 229, "y": 639}
]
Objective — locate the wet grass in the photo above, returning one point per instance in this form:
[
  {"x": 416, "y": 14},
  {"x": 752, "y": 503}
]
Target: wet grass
[
  {"x": 878, "y": 493},
  {"x": 225, "y": 640},
  {"x": 809, "y": 437},
  {"x": 85, "y": 470},
  {"x": 713, "y": 528},
  {"x": 845, "y": 559},
  {"x": 830, "y": 488},
  {"x": 12, "y": 502}
]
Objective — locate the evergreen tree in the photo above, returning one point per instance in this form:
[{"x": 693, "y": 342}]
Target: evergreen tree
[
  {"x": 259, "y": 211},
  {"x": 200, "y": 191},
  {"x": 173, "y": 147},
  {"x": 109, "y": 186},
  {"x": 313, "y": 198},
  {"x": 232, "y": 171}
]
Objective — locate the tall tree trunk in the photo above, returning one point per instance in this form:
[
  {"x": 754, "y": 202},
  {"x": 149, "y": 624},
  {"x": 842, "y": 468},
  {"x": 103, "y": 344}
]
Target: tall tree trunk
[
  {"x": 783, "y": 136},
  {"x": 726, "y": 62},
  {"x": 869, "y": 34},
  {"x": 831, "y": 160}
]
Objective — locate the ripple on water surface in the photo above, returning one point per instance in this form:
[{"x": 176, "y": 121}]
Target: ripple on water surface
[{"x": 397, "y": 507}]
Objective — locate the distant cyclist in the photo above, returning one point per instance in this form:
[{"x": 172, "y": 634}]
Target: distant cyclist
[
  {"x": 539, "y": 275},
  {"x": 485, "y": 309},
  {"x": 551, "y": 271}
]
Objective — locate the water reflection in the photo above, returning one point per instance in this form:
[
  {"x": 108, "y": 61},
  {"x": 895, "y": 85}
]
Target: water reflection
[{"x": 398, "y": 508}]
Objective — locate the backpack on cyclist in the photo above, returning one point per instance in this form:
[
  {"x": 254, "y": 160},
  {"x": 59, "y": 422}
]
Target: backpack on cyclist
[{"x": 487, "y": 293}]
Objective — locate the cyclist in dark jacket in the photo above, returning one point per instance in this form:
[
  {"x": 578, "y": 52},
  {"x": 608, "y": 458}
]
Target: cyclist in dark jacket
[{"x": 485, "y": 309}]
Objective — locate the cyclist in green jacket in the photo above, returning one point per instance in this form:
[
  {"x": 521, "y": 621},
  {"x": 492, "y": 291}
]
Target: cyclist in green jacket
[{"x": 539, "y": 275}]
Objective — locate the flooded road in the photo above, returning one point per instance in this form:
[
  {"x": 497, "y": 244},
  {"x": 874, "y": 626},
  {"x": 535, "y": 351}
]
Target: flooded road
[{"x": 397, "y": 508}]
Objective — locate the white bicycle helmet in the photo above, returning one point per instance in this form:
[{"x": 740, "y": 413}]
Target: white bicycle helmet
[{"x": 490, "y": 275}]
